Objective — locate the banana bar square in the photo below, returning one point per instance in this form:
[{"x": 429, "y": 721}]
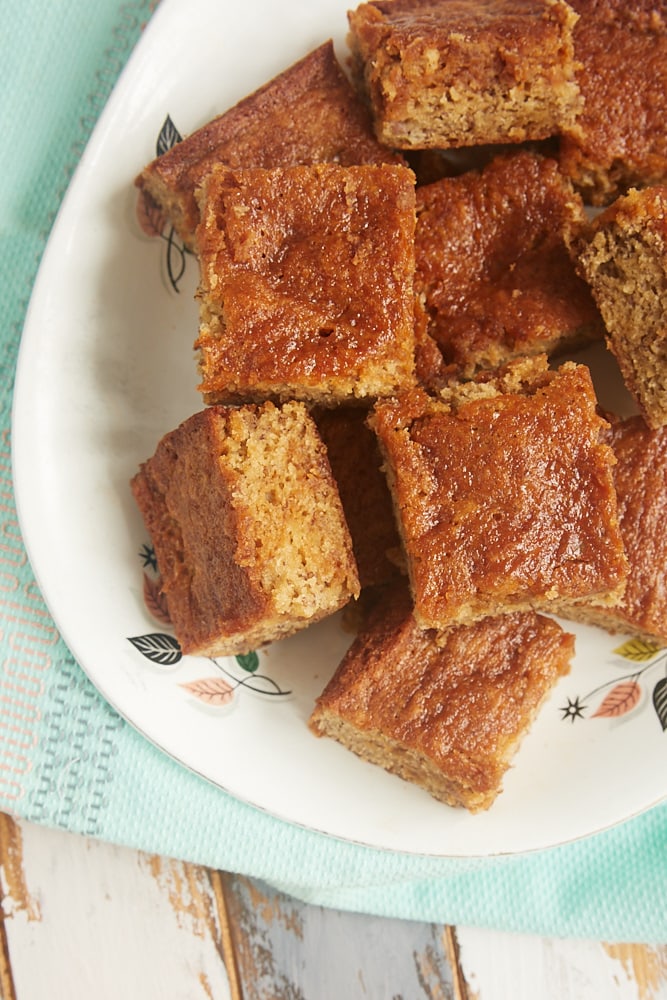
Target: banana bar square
[{"x": 306, "y": 287}]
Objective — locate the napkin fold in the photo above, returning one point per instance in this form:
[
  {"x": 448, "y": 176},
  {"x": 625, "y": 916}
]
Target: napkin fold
[{"x": 68, "y": 760}]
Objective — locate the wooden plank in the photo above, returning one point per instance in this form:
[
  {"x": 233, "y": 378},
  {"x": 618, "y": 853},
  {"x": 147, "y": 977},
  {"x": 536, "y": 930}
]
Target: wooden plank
[
  {"x": 453, "y": 953},
  {"x": 13, "y": 894},
  {"x": 7, "y": 991},
  {"x": 497, "y": 966},
  {"x": 84, "y": 919},
  {"x": 226, "y": 936},
  {"x": 645, "y": 965},
  {"x": 87, "y": 919},
  {"x": 287, "y": 950}
]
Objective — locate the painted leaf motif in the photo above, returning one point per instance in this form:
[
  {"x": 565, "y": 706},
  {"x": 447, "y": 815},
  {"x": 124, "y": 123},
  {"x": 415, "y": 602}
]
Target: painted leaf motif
[
  {"x": 151, "y": 218},
  {"x": 211, "y": 690},
  {"x": 168, "y": 137},
  {"x": 263, "y": 685},
  {"x": 158, "y": 648},
  {"x": 176, "y": 259},
  {"x": 248, "y": 661},
  {"x": 660, "y": 701},
  {"x": 155, "y": 600},
  {"x": 638, "y": 650},
  {"x": 620, "y": 700}
]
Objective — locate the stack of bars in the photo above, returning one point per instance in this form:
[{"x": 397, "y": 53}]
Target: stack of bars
[{"x": 386, "y": 278}]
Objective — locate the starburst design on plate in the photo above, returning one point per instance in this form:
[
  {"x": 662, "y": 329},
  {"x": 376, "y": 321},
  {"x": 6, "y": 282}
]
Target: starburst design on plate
[
  {"x": 573, "y": 710},
  {"x": 147, "y": 556},
  {"x": 625, "y": 694}
]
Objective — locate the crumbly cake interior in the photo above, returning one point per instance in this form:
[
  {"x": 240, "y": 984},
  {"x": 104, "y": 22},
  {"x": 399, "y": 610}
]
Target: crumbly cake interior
[
  {"x": 376, "y": 747},
  {"x": 465, "y": 73},
  {"x": 273, "y": 469},
  {"x": 530, "y": 113},
  {"x": 627, "y": 272}
]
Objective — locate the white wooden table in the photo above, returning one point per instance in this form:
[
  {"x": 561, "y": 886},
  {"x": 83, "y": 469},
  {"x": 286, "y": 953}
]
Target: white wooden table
[{"x": 85, "y": 920}]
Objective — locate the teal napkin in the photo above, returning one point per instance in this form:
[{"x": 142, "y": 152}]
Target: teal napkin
[{"x": 67, "y": 760}]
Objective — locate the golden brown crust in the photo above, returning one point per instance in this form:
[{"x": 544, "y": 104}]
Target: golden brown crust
[
  {"x": 619, "y": 140},
  {"x": 465, "y": 72},
  {"x": 623, "y": 256},
  {"x": 504, "y": 493},
  {"x": 263, "y": 130},
  {"x": 492, "y": 265},
  {"x": 445, "y": 711},
  {"x": 247, "y": 527},
  {"x": 307, "y": 283},
  {"x": 640, "y": 477}
]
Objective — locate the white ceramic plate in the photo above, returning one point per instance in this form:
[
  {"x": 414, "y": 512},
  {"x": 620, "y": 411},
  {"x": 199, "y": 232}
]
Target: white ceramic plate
[{"x": 106, "y": 367}]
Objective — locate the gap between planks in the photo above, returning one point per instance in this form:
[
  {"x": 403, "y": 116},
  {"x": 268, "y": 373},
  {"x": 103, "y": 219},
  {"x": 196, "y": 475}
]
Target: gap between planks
[
  {"x": 220, "y": 887},
  {"x": 452, "y": 949},
  {"x": 281, "y": 946}
]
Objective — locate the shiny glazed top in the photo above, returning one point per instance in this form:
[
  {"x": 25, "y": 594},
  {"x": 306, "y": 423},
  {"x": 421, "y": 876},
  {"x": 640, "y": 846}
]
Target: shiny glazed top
[
  {"x": 307, "y": 276},
  {"x": 505, "y": 498},
  {"x": 492, "y": 265}
]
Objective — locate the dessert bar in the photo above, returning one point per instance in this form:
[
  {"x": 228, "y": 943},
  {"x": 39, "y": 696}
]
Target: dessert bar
[
  {"x": 619, "y": 139},
  {"x": 640, "y": 477},
  {"x": 492, "y": 266},
  {"x": 439, "y": 74},
  {"x": 503, "y": 492},
  {"x": 247, "y": 527},
  {"x": 306, "y": 286},
  {"x": 623, "y": 256},
  {"x": 263, "y": 130},
  {"x": 448, "y": 715}
]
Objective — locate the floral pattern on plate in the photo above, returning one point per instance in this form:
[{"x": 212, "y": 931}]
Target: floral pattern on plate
[
  {"x": 162, "y": 649},
  {"x": 624, "y": 694}
]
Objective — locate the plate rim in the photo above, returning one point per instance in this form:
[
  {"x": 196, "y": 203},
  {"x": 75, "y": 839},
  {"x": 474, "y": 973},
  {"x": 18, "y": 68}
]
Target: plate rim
[{"x": 96, "y": 141}]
